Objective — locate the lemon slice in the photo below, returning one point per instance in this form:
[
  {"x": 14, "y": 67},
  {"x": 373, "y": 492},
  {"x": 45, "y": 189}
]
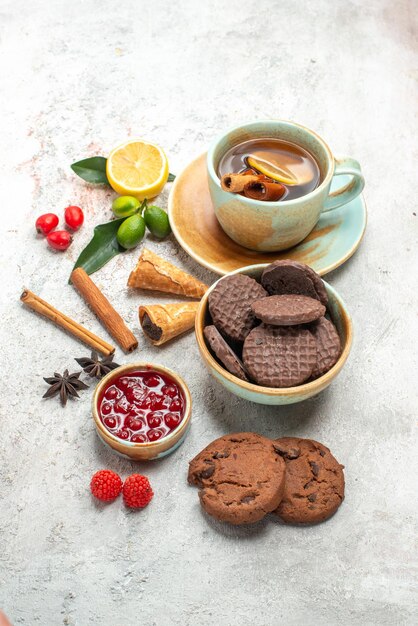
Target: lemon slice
[
  {"x": 272, "y": 170},
  {"x": 137, "y": 168}
]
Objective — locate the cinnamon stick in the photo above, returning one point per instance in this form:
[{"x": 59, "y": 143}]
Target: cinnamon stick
[
  {"x": 104, "y": 310},
  {"x": 263, "y": 190},
  {"x": 235, "y": 183},
  {"x": 77, "y": 330}
]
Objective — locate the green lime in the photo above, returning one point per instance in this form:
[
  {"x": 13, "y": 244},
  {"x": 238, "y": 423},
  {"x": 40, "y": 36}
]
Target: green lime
[
  {"x": 131, "y": 231},
  {"x": 124, "y": 206},
  {"x": 157, "y": 221}
]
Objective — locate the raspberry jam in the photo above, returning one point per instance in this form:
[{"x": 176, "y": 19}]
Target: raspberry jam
[{"x": 142, "y": 406}]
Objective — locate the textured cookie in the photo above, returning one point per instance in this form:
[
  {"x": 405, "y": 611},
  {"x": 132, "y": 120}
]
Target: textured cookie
[
  {"x": 279, "y": 356},
  {"x": 224, "y": 352},
  {"x": 288, "y": 310},
  {"x": 241, "y": 477},
  {"x": 328, "y": 346},
  {"x": 230, "y": 305},
  {"x": 314, "y": 486},
  {"x": 283, "y": 277}
]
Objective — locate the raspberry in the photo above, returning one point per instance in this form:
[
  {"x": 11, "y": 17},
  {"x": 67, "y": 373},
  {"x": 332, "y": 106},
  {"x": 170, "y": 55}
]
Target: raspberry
[
  {"x": 106, "y": 485},
  {"x": 137, "y": 491}
]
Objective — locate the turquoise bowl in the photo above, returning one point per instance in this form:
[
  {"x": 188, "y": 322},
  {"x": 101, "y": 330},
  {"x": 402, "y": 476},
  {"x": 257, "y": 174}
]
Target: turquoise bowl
[{"x": 268, "y": 395}]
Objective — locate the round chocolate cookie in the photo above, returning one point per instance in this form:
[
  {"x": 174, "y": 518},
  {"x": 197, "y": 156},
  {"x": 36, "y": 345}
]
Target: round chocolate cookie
[
  {"x": 279, "y": 356},
  {"x": 328, "y": 346},
  {"x": 241, "y": 476},
  {"x": 287, "y": 310},
  {"x": 230, "y": 305},
  {"x": 314, "y": 486},
  {"x": 284, "y": 277},
  {"x": 224, "y": 352}
]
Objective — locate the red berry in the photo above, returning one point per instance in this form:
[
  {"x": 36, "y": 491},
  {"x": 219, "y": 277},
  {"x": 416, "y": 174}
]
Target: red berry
[
  {"x": 111, "y": 393},
  {"x": 151, "y": 381},
  {"x": 133, "y": 423},
  {"x": 175, "y": 405},
  {"x": 45, "y": 223},
  {"x": 106, "y": 485},
  {"x": 59, "y": 239},
  {"x": 122, "y": 434},
  {"x": 169, "y": 390},
  {"x": 155, "y": 434},
  {"x": 172, "y": 420},
  {"x": 120, "y": 407},
  {"x": 74, "y": 217},
  {"x": 139, "y": 438},
  {"x": 154, "y": 420},
  {"x": 137, "y": 491},
  {"x": 106, "y": 408},
  {"x": 110, "y": 422}
]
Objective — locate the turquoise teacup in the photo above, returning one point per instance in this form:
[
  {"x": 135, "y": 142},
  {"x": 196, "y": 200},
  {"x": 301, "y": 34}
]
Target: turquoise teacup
[{"x": 271, "y": 226}]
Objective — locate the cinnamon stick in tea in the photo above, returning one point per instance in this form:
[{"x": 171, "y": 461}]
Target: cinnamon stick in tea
[
  {"x": 77, "y": 330},
  {"x": 263, "y": 190},
  {"x": 101, "y": 306},
  {"x": 235, "y": 183}
]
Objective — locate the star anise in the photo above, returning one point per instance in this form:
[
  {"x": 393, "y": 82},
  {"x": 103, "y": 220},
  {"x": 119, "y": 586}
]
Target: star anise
[
  {"x": 95, "y": 367},
  {"x": 66, "y": 385}
]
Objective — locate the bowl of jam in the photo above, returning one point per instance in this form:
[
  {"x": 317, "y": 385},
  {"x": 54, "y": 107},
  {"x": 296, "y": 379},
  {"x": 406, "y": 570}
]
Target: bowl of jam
[{"x": 142, "y": 411}]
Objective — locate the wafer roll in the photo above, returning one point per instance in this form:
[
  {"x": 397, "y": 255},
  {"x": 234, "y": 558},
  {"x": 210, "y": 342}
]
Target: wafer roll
[
  {"x": 154, "y": 273},
  {"x": 162, "y": 322}
]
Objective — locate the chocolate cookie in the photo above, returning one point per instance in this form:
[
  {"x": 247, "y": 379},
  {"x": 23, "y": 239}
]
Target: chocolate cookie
[
  {"x": 288, "y": 310},
  {"x": 224, "y": 352},
  {"x": 314, "y": 486},
  {"x": 279, "y": 356},
  {"x": 284, "y": 277},
  {"x": 328, "y": 346},
  {"x": 241, "y": 477},
  {"x": 230, "y": 305}
]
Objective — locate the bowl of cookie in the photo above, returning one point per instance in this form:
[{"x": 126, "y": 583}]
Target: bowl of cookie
[{"x": 273, "y": 333}]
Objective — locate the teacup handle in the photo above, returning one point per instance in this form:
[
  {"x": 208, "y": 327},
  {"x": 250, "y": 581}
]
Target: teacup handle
[{"x": 343, "y": 195}]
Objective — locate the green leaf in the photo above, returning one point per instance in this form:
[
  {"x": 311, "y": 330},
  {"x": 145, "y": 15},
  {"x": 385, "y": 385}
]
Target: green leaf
[
  {"x": 171, "y": 177},
  {"x": 93, "y": 170},
  {"x": 103, "y": 247}
]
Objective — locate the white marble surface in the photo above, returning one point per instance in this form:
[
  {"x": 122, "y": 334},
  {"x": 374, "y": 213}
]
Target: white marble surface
[{"x": 76, "y": 79}]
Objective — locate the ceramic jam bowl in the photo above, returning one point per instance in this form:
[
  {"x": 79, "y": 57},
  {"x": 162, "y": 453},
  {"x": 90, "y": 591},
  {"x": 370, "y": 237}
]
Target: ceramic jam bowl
[
  {"x": 337, "y": 310},
  {"x": 147, "y": 450}
]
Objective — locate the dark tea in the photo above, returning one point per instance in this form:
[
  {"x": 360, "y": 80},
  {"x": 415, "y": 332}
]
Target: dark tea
[{"x": 274, "y": 160}]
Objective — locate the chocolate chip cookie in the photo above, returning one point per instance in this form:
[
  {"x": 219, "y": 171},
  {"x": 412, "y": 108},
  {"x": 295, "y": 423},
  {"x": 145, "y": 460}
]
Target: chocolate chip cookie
[
  {"x": 230, "y": 305},
  {"x": 283, "y": 277},
  {"x": 314, "y": 486},
  {"x": 288, "y": 310},
  {"x": 224, "y": 352},
  {"x": 241, "y": 477},
  {"x": 279, "y": 356}
]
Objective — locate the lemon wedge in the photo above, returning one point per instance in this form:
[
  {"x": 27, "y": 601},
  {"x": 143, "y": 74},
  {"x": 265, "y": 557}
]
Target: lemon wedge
[
  {"x": 272, "y": 170},
  {"x": 137, "y": 168}
]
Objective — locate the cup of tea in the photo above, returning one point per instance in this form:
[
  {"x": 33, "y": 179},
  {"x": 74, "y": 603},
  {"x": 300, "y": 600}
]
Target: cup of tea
[{"x": 289, "y": 169}]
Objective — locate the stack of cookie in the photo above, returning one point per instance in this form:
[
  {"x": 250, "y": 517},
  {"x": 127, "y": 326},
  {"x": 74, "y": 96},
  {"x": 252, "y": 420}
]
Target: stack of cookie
[
  {"x": 245, "y": 476},
  {"x": 276, "y": 333}
]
